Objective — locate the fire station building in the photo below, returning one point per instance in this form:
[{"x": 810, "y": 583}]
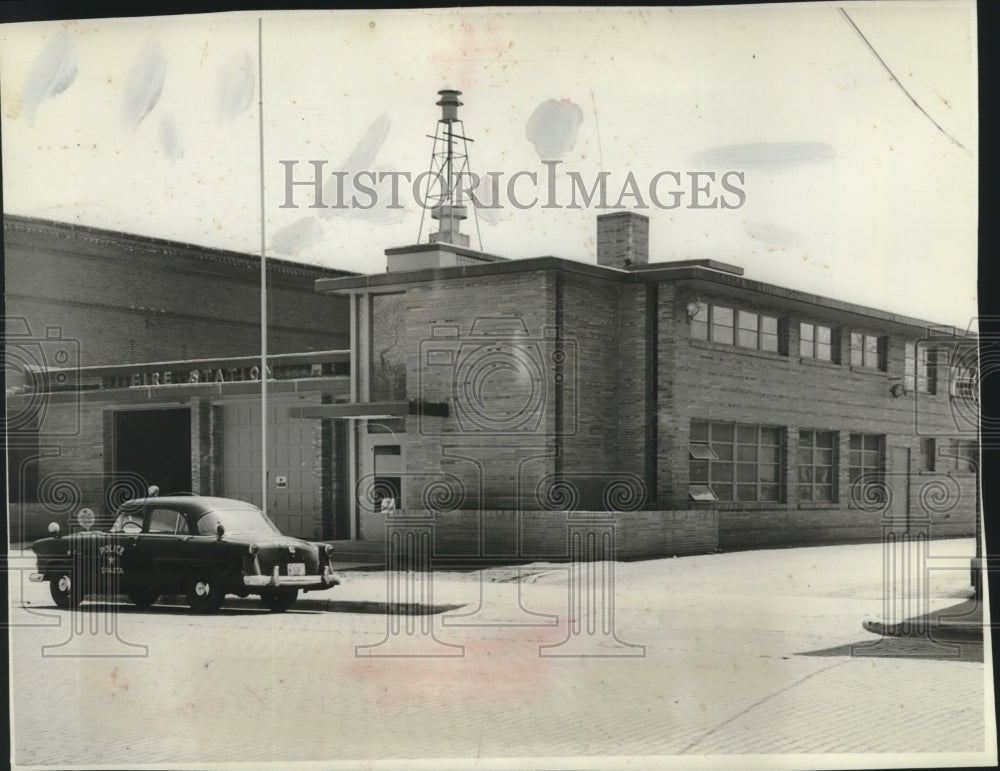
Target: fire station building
[
  {"x": 692, "y": 407},
  {"x": 686, "y": 406},
  {"x": 135, "y": 361}
]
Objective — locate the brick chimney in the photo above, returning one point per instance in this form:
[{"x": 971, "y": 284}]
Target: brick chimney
[{"x": 622, "y": 239}]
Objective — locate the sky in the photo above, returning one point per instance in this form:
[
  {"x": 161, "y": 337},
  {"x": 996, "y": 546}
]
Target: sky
[{"x": 844, "y": 180}]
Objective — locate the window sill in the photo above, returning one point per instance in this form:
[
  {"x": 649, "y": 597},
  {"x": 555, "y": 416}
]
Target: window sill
[
  {"x": 817, "y": 505},
  {"x": 818, "y": 363},
  {"x": 738, "y": 505},
  {"x": 708, "y": 345},
  {"x": 870, "y": 371}
]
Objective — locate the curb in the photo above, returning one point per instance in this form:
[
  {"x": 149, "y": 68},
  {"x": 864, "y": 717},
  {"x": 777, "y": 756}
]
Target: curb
[{"x": 968, "y": 633}]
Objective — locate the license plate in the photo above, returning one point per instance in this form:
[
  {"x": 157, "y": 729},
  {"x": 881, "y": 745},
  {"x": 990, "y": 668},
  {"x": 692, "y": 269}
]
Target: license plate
[{"x": 296, "y": 568}]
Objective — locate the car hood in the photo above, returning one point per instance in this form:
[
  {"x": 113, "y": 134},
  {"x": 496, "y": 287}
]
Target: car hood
[{"x": 47, "y": 545}]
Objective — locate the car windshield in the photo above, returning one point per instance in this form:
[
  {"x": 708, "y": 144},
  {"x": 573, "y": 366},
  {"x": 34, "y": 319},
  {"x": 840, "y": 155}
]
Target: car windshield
[{"x": 237, "y": 522}]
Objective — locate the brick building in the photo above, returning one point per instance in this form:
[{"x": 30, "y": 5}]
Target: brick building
[
  {"x": 687, "y": 405},
  {"x": 503, "y": 404},
  {"x": 130, "y": 361}
]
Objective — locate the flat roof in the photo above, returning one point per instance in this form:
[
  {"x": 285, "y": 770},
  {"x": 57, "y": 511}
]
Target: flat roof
[
  {"x": 445, "y": 246},
  {"x": 700, "y": 271},
  {"x": 24, "y": 223}
]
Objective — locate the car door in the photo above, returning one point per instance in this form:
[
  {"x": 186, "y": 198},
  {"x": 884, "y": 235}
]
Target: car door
[
  {"x": 114, "y": 568},
  {"x": 153, "y": 554}
]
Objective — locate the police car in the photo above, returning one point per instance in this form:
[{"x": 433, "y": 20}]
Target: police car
[{"x": 200, "y": 547}]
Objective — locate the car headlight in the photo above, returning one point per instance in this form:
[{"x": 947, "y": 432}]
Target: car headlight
[
  {"x": 254, "y": 548},
  {"x": 329, "y": 550}
]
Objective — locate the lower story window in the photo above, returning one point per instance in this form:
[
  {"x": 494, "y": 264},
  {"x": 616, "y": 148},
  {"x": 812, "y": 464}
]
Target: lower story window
[
  {"x": 817, "y": 466},
  {"x": 867, "y": 467},
  {"x": 735, "y": 462},
  {"x": 956, "y": 455}
]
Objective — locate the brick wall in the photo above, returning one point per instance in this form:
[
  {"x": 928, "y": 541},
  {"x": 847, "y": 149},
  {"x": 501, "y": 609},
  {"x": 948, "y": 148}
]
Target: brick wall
[
  {"x": 75, "y": 466},
  {"x": 545, "y": 535},
  {"x": 130, "y": 299},
  {"x": 71, "y": 471},
  {"x": 715, "y": 382},
  {"x": 622, "y": 239},
  {"x": 590, "y": 441},
  {"x": 487, "y": 454}
]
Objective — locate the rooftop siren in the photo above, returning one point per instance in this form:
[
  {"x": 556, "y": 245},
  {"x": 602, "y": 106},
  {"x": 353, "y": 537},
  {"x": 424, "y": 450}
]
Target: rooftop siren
[{"x": 450, "y": 178}]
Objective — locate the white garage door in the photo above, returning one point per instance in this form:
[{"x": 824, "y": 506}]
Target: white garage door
[{"x": 290, "y": 462}]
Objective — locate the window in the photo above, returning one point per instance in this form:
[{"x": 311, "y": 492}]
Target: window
[
  {"x": 387, "y": 364},
  {"x": 167, "y": 521},
  {"x": 743, "y": 328},
  {"x": 735, "y": 462},
  {"x": 817, "y": 466},
  {"x": 867, "y": 351},
  {"x": 919, "y": 368},
  {"x": 866, "y": 467},
  {"x": 128, "y": 520},
  {"x": 817, "y": 342},
  {"x": 928, "y": 453},
  {"x": 722, "y": 325},
  {"x": 964, "y": 382},
  {"x": 956, "y": 455}
]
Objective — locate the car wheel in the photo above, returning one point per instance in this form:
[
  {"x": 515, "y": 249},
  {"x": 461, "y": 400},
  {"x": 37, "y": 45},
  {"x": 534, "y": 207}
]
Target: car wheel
[
  {"x": 205, "y": 595},
  {"x": 64, "y": 593},
  {"x": 143, "y": 598},
  {"x": 279, "y": 600}
]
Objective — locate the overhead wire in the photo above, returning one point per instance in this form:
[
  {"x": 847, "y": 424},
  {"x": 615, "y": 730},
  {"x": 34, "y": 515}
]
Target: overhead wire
[{"x": 897, "y": 80}]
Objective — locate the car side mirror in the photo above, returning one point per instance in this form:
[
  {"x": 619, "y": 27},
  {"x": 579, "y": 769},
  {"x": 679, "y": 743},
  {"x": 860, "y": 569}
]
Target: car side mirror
[
  {"x": 54, "y": 529},
  {"x": 219, "y": 531}
]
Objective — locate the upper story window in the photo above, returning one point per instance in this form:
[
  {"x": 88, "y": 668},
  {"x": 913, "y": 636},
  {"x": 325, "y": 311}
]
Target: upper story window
[
  {"x": 919, "y": 368},
  {"x": 817, "y": 341},
  {"x": 387, "y": 362},
  {"x": 757, "y": 330},
  {"x": 737, "y": 326},
  {"x": 964, "y": 381},
  {"x": 868, "y": 350}
]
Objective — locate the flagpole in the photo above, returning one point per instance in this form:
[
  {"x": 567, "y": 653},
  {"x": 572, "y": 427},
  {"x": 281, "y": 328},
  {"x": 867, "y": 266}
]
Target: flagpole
[{"x": 263, "y": 272}]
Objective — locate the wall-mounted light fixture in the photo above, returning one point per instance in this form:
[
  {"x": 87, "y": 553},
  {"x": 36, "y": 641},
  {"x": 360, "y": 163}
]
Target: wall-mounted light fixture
[{"x": 694, "y": 308}]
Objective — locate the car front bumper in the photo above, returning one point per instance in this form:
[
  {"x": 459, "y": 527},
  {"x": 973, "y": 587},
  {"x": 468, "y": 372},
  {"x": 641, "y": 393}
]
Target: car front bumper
[{"x": 323, "y": 581}]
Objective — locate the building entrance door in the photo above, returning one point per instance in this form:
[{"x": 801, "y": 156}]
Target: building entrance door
[
  {"x": 381, "y": 491},
  {"x": 155, "y": 445}
]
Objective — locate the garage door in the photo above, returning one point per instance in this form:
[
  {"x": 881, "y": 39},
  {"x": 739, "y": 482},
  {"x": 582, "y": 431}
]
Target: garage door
[{"x": 292, "y": 482}]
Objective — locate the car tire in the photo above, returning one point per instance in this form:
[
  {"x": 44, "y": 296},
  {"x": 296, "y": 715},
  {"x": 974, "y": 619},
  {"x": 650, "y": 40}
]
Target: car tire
[
  {"x": 64, "y": 592},
  {"x": 279, "y": 600},
  {"x": 143, "y": 598},
  {"x": 205, "y": 594}
]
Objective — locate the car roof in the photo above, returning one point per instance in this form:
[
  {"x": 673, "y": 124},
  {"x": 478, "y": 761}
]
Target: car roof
[{"x": 192, "y": 503}]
